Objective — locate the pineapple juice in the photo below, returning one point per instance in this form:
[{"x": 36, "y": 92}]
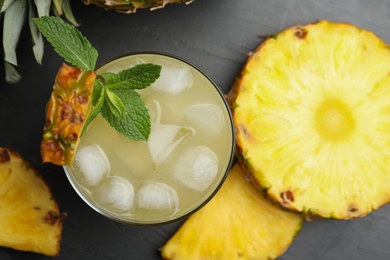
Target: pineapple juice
[{"x": 182, "y": 164}]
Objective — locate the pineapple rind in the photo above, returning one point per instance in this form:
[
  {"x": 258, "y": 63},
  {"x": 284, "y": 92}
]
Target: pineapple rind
[
  {"x": 29, "y": 216},
  {"x": 66, "y": 113},
  {"x": 238, "y": 223},
  {"x": 335, "y": 165},
  {"x": 131, "y": 6}
]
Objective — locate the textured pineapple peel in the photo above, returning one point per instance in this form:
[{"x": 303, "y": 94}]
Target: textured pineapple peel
[
  {"x": 29, "y": 216},
  {"x": 312, "y": 115},
  {"x": 131, "y": 6},
  {"x": 238, "y": 223},
  {"x": 66, "y": 113}
]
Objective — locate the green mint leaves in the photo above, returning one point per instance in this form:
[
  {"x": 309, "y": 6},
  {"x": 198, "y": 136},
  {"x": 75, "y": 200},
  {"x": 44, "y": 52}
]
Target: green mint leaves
[
  {"x": 120, "y": 104},
  {"x": 68, "y": 42},
  {"x": 114, "y": 96}
]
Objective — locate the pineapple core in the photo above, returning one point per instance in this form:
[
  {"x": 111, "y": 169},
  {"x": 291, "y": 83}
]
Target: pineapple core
[{"x": 334, "y": 120}]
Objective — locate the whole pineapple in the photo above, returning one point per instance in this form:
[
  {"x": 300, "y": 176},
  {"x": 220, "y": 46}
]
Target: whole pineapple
[
  {"x": 131, "y": 6},
  {"x": 312, "y": 115}
]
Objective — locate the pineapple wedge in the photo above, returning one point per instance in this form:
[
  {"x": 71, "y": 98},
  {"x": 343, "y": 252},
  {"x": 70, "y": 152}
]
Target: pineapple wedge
[
  {"x": 29, "y": 216},
  {"x": 66, "y": 114},
  {"x": 312, "y": 115},
  {"x": 238, "y": 223}
]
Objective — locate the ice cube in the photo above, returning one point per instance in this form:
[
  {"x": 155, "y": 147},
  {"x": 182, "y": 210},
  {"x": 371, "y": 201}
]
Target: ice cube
[
  {"x": 206, "y": 117},
  {"x": 158, "y": 196},
  {"x": 92, "y": 163},
  {"x": 173, "y": 80},
  {"x": 116, "y": 193},
  {"x": 163, "y": 139},
  {"x": 154, "y": 108},
  {"x": 140, "y": 61},
  {"x": 197, "y": 167}
]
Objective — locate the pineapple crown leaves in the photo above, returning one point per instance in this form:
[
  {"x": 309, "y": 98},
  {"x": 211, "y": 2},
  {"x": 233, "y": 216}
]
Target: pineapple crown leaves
[
  {"x": 15, "y": 13},
  {"x": 114, "y": 95}
]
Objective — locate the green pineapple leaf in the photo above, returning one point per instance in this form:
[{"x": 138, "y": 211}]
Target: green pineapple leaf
[
  {"x": 11, "y": 74},
  {"x": 67, "y": 10},
  {"x": 13, "y": 23},
  {"x": 14, "y": 18},
  {"x": 43, "y": 7},
  {"x": 4, "y": 4},
  {"x": 58, "y": 6},
  {"x": 37, "y": 39},
  {"x": 68, "y": 42}
]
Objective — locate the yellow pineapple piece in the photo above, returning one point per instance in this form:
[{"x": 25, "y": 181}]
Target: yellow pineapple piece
[
  {"x": 29, "y": 216},
  {"x": 66, "y": 114},
  {"x": 312, "y": 115},
  {"x": 238, "y": 223}
]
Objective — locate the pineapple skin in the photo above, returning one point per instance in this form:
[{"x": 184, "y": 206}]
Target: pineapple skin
[
  {"x": 131, "y": 6},
  {"x": 238, "y": 223},
  {"x": 30, "y": 219},
  {"x": 66, "y": 113},
  {"x": 352, "y": 205}
]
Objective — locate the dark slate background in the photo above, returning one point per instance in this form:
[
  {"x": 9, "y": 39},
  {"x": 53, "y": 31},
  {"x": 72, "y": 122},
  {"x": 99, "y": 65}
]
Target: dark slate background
[{"x": 216, "y": 36}]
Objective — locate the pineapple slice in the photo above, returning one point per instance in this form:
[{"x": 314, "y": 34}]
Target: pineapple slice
[
  {"x": 66, "y": 113},
  {"x": 238, "y": 223},
  {"x": 29, "y": 215},
  {"x": 312, "y": 116}
]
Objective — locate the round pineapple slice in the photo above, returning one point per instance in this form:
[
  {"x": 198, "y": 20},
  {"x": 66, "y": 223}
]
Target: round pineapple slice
[
  {"x": 312, "y": 116},
  {"x": 29, "y": 216},
  {"x": 238, "y": 223}
]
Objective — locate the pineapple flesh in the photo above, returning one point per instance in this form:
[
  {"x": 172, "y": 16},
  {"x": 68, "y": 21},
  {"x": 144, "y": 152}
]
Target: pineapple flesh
[
  {"x": 29, "y": 216},
  {"x": 66, "y": 114},
  {"x": 131, "y": 6},
  {"x": 238, "y": 223},
  {"x": 312, "y": 115}
]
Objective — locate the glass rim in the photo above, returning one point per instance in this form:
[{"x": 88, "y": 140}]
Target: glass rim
[{"x": 173, "y": 219}]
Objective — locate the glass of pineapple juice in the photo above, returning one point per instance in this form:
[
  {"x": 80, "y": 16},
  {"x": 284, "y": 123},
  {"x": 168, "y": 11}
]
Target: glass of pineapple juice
[{"x": 182, "y": 164}]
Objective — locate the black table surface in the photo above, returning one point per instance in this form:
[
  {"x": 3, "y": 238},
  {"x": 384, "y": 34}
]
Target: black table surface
[{"x": 216, "y": 36}]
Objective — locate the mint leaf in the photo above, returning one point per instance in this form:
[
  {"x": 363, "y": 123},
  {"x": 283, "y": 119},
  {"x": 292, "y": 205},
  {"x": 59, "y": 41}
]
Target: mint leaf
[
  {"x": 137, "y": 77},
  {"x": 123, "y": 107},
  {"x": 135, "y": 123},
  {"x": 68, "y": 42},
  {"x": 98, "y": 97},
  {"x": 97, "y": 91},
  {"x": 114, "y": 103}
]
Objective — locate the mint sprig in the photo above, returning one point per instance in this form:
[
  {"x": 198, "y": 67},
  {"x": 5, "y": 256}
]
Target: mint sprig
[
  {"x": 114, "y": 96},
  {"x": 135, "y": 123},
  {"x": 119, "y": 103},
  {"x": 68, "y": 42}
]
